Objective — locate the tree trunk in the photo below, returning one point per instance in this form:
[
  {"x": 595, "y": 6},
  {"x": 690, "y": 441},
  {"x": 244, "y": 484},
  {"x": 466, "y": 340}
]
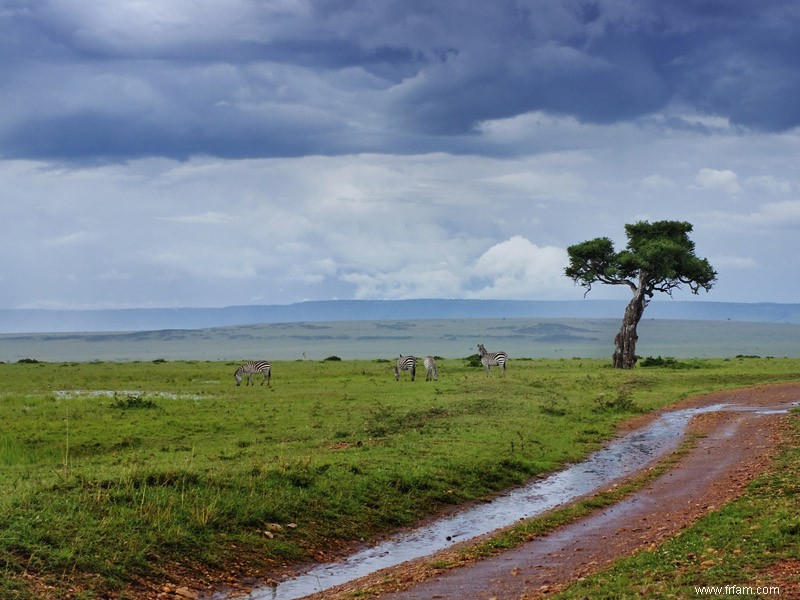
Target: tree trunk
[{"x": 625, "y": 342}]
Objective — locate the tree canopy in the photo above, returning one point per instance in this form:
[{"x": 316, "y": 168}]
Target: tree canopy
[{"x": 659, "y": 257}]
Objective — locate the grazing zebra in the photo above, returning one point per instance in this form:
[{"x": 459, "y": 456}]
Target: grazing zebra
[
  {"x": 405, "y": 363},
  {"x": 249, "y": 369},
  {"x": 430, "y": 369},
  {"x": 492, "y": 358}
]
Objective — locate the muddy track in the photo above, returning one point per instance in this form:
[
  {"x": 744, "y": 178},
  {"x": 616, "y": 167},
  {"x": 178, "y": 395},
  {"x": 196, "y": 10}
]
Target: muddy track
[{"x": 733, "y": 448}]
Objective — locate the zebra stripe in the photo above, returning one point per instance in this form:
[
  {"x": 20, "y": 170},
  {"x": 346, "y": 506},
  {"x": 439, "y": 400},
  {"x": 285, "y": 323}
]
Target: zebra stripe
[
  {"x": 430, "y": 369},
  {"x": 492, "y": 358},
  {"x": 251, "y": 368},
  {"x": 405, "y": 363}
]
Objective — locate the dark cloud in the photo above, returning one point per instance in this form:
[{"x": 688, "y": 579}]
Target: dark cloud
[
  {"x": 402, "y": 76},
  {"x": 224, "y": 133}
]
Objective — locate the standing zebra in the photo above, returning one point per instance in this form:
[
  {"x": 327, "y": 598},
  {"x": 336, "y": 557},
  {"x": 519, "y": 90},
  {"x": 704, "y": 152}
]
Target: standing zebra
[
  {"x": 492, "y": 358},
  {"x": 405, "y": 363},
  {"x": 430, "y": 369},
  {"x": 249, "y": 369}
]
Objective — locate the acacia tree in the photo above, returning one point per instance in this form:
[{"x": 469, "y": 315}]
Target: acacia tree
[{"x": 659, "y": 257}]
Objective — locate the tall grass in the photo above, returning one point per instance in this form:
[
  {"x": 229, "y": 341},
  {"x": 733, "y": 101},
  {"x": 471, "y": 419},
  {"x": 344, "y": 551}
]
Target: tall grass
[{"x": 112, "y": 471}]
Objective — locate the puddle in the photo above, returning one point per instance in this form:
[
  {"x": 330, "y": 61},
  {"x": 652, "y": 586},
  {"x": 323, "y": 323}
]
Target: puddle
[
  {"x": 620, "y": 458},
  {"x": 67, "y": 394}
]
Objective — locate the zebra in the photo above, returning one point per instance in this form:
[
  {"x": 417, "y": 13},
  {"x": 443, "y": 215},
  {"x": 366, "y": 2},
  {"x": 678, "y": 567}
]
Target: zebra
[
  {"x": 249, "y": 369},
  {"x": 405, "y": 363},
  {"x": 430, "y": 369},
  {"x": 492, "y": 358}
]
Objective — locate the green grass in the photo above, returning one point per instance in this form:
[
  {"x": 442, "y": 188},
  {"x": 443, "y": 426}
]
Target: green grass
[{"x": 112, "y": 471}]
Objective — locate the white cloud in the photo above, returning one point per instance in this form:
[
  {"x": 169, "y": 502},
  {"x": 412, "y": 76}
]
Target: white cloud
[
  {"x": 768, "y": 183},
  {"x": 517, "y": 268},
  {"x": 536, "y": 184},
  {"x": 404, "y": 283},
  {"x": 780, "y": 214},
  {"x": 712, "y": 179},
  {"x": 657, "y": 182},
  {"x": 771, "y": 215}
]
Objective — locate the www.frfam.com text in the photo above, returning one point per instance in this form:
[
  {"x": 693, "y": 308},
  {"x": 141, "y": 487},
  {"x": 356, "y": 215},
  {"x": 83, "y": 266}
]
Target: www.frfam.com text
[{"x": 737, "y": 590}]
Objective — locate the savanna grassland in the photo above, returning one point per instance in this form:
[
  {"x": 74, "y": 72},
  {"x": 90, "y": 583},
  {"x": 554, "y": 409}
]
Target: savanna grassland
[{"x": 115, "y": 472}]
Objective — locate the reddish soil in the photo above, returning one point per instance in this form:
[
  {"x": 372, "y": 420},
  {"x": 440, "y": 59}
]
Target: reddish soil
[{"x": 734, "y": 447}]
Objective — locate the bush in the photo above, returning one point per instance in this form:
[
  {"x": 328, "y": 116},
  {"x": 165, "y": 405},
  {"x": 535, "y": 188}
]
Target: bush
[
  {"x": 332, "y": 358},
  {"x": 667, "y": 361},
  {"x": 132, "y": 402},
  {"x": 474, "y": 360},
  {"x": 622, "y": 402},
  {"x": 670, "y": 363}
]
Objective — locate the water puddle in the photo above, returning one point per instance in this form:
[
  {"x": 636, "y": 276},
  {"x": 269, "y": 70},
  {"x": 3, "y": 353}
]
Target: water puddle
[
  {"x": 68, "y": 394},
  {"x": 620, "y": 458}
]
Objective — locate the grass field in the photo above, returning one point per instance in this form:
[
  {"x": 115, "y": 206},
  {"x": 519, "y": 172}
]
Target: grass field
[{"x": 112, "y": 471}]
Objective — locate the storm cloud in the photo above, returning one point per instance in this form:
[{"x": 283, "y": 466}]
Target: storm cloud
[{"x": 282, "y": 79}]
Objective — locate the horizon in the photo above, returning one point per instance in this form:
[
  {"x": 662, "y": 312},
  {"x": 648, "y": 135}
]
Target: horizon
[
  {"x": 31, "y": 321},
  {"x": 621, "y": 301},
  {"x": 527, "y": 337}
]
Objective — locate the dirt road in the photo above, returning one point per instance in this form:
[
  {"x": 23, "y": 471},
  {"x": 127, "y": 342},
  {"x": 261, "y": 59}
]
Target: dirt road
[{"x": 735, "y": 447}]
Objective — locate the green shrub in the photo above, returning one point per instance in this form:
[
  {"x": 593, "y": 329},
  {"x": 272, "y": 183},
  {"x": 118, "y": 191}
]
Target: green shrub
[
  {"x": 649, "y": 361},
  {"x": 132, "y": 401}
]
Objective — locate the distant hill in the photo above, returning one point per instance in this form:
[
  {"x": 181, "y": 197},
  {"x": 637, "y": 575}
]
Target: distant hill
[{"x": 154, "y": 319}]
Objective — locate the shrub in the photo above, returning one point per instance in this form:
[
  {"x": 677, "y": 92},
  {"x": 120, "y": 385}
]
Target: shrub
[
  {"x": 132, "y": 401},
  {"x": 622, "y": 402},
  {"x": 667, "y": 361},
  {"x": 474, "y": 360}
]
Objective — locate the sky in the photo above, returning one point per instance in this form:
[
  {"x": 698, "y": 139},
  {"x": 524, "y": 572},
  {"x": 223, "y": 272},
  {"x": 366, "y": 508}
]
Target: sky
[{"x": 232, "y": 152}]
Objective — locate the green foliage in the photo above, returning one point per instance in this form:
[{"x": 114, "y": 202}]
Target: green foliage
[
  {"x": 112, "y": 471},
  {"x": 474, "y": 360},
  {"x": 659, "y": 257},
  {"x": 622, "y": 401},
  {"x": 650, "y": 361},
  {"x": 333, "y": 358},
  {"x": 669, "y": 362}
]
